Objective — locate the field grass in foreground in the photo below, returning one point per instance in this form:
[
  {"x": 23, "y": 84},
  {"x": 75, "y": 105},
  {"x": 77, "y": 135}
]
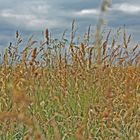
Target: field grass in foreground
[{"x": 80, "y": 92}]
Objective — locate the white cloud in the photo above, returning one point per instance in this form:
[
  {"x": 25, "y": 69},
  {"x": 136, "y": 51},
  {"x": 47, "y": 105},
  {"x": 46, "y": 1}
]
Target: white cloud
[
  {"x": 17, "y": 16},
  {"x": 86, "y": 12},
  {"x": 35, "y": 18},
  {"x": 126, "y": 8},
  {"x": 40, "y": 23},
  {"x": 33, "y": 15},
  {"x": 40, "y": 9}
]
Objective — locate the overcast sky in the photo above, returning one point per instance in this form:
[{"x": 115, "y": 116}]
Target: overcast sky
[{"x": 33, "y": 16}]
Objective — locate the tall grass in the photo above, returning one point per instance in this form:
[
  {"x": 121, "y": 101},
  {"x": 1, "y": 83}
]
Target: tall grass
[{"x": 57, "y": 90}]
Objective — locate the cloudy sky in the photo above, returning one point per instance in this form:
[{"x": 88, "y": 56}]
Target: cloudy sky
[{"x": 33, "y": 16}]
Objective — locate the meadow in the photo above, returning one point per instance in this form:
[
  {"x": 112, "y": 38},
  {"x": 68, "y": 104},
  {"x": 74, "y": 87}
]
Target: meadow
[
  {"x": 71, "y": 89},
  {"x": 80, "y": 92}
]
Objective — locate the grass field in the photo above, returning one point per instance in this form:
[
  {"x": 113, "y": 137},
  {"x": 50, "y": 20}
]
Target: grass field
[
  {"x": 57, "y": 92},
  {"x": 57, "y": 89}
]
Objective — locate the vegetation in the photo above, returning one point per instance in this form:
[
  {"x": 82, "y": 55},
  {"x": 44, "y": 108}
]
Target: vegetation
[{"x": 60, "y": 90}]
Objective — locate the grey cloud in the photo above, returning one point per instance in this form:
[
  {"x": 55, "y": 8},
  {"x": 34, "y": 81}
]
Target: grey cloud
[{"x": 32, "y": 16}]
